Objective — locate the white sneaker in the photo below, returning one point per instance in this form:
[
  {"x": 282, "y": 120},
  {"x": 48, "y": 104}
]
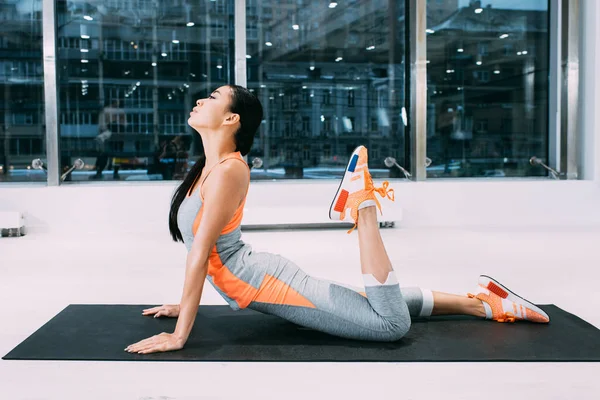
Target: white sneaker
[{"x": 504, "y": 305}]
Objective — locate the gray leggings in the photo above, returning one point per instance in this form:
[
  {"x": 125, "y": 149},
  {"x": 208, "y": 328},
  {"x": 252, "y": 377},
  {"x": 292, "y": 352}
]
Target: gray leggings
[{"x": 381, "y": 313}]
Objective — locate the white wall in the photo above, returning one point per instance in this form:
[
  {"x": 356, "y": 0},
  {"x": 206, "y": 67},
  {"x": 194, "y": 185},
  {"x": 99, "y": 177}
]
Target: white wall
[{"x": 143, "y": 208}]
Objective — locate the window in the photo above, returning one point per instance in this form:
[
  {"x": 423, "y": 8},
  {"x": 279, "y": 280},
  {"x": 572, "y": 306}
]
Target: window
[
  {"x": 326, "y": 97},
  {"x": 306, "y": 125},
  {"x": 332, "y": 82},
  {"x": 326, "y": 124},
  {"x": 22, "y": 89},
  {"x": 218, "y": 29},
  {"x": 252, "y": 31},
  {"x": 481, "y": 111},
  {"x": 148, "y": 87},
  {"x": 330, "y": 79},
  {"x": 482, "y": 76}
]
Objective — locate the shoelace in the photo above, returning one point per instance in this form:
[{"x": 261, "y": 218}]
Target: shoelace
[
  {"x": 383, "y": 191},
  {"x": 506, "y": 317}
]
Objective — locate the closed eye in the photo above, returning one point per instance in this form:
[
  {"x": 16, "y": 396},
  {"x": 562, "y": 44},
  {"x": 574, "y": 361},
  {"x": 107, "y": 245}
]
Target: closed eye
[{"x": 212, "y": 97}]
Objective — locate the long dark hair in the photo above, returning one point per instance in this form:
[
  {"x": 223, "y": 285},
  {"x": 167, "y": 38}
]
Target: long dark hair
[{"x": 248, "y": 107}]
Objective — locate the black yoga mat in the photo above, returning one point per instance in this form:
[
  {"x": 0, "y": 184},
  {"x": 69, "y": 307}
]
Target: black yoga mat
[{"x": 101, "y": 332}]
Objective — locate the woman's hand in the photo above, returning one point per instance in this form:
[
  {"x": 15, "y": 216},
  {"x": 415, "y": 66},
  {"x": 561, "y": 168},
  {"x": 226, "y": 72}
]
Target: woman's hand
[
  {"x": 155, "y": 344},
  {"x": 168, "y": 310}
]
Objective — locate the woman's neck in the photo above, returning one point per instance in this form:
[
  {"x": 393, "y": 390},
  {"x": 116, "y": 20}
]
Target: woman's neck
[{"x": 216, "y": 149}]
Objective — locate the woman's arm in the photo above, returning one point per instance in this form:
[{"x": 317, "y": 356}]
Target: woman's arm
[{"x": 224, "y": 191}]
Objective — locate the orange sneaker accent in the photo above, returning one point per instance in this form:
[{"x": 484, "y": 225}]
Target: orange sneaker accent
[
  {"x": 341, "y": 203},
  {"x": 492, "y": 287},
  {"x": 534, "y": 316}
]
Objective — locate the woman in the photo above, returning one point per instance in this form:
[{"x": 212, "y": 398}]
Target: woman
[{"x": 206, "y": 212}]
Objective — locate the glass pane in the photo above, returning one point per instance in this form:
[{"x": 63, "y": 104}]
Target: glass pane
[
  {"x": 22, "y": 130},
  {"x": 330, "y": 76},
  {"x": 130, "y": 73},
  {"x": 487, "y": 80}
]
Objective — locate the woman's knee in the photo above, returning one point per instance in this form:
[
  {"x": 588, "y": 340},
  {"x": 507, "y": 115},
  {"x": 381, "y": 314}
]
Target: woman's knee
[{"x": 397, "y": 330}]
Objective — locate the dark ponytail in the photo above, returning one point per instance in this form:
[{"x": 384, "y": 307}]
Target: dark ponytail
[{"x": 248, "y": 107}]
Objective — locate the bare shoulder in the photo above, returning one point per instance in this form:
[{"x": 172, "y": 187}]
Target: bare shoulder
[
  {"x": 234, "y": 170},
  {"x": 230, "y": 176}
]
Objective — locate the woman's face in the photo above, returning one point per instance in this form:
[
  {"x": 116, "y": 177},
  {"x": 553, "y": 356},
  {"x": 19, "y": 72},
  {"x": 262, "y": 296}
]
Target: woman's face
[{"x": 212, "y": 112}]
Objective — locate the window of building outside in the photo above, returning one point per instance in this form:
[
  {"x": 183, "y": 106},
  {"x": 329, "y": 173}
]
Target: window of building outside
[
  {"x": 330, "y": 75},
  {"x": 129, "y": 74},
  {"x": 22, "y": 128},
  {"x": 487, "y": 87},
  {"x": 324, "y": 72}
]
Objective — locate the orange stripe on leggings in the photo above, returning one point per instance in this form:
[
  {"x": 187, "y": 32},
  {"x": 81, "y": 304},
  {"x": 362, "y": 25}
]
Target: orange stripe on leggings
[
  {"x": 235, "y": 288},
  {"x": 274, "y": 291},
  {"x": 271, "y": 290}
]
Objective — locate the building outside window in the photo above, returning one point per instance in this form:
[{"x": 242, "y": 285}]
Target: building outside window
[{"x": 329, "y": 77}]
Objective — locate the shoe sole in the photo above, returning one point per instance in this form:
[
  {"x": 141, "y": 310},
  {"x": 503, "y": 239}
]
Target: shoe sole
[
  {"x": 343, "y": 194},
  {"x": 496, "y": 287}
]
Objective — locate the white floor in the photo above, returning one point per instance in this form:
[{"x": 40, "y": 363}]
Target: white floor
[{"x": 41, "y": 274}]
